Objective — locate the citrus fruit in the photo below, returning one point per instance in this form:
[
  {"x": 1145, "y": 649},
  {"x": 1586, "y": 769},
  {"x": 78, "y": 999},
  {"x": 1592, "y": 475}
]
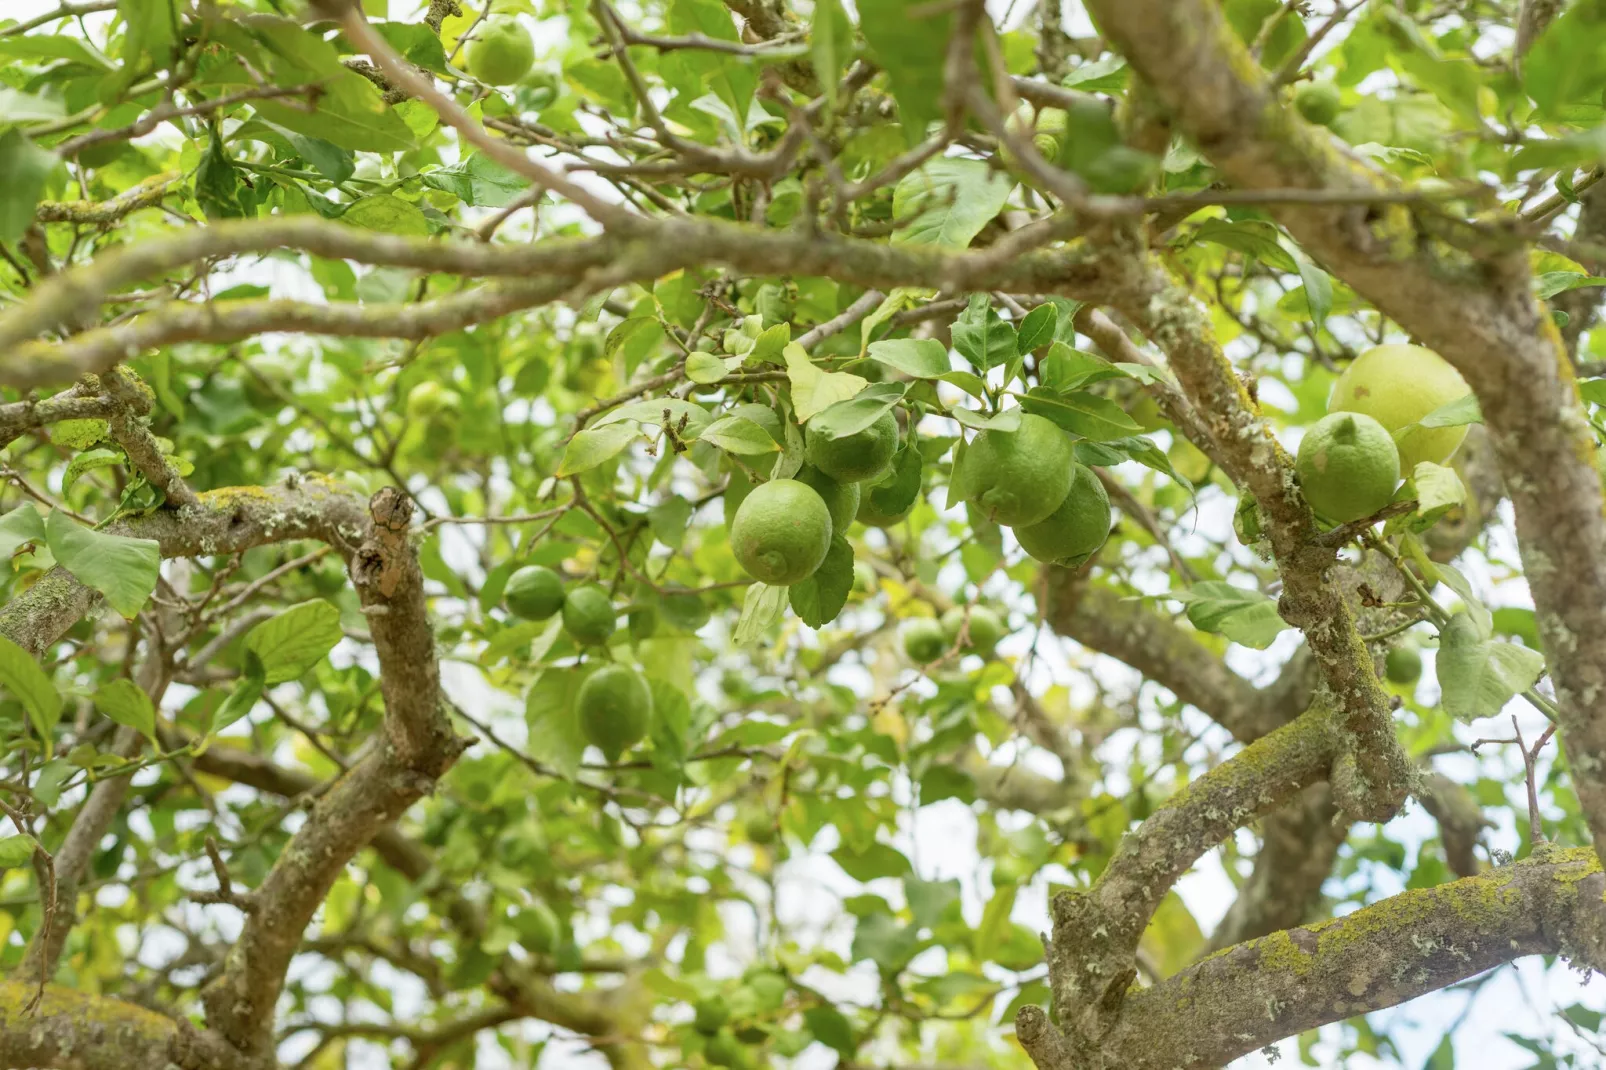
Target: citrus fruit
[
  {"x": 588, "y": 615},
  {"x": 842, "y": 499},
  {"x": 501, "y": 52},
  {"x": 1403, "y": 665},
  {"x": 615, "y": 708},
  {"x": 1348, "y": 466},
  {"x": 781, "y": 532},
  {"x": 1397, "y": 385},
  {"x": 1318, "y": 102},
  {"x": 534, "y": 592},
  {"x": 711, "y": 1015},
  {"x": 426, "y": 400},
  {"x": 1020, "y": 477},
  {"x": 537, "y": 927},
  {"x": 923, "y": 640},
  {"x": 1073, "y": 532},
  {"x": 759, "y": 827},
  {"x": 856, "y": 457},
  {"x": 984, "y": 632}
]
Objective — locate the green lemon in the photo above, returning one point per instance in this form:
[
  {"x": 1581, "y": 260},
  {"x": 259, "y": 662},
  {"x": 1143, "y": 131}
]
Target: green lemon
[
  {"x": 923, "y": 640},
  {"x": 842, "y": 499},
  {"x": 759, "y": 827},
  {"x": 1073, "y": 532},
  {"x": 538, "y": 928},
  {"x": 984, "y": 632},
  {"x": 1397, "y": 385},
  {"x": 1318, "y": 102},
  {"x": 1403, "y": 665},
  {"x": 781, "y": 532},
  {"x": 589, "y": 616},
  {"x": 857, "y": 457},
  {"x": 534, "y": 592},
  {"x": 501, "y": 52},
  {"x": 428, "y": 399},
  {"x": 711, "y": 1015},
  {"x": 1020, "y": 477},
  {"x": 1348, "y": 466},
  {"x": 615, "y": 708}
]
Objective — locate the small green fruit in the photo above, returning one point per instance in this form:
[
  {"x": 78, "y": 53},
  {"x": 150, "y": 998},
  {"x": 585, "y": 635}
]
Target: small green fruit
[
  {"x": 759, "y": 827},
  {"x": 589, "y": 616},
  {"x": 1397, "y": 385},
  {"x": 615, "y": 708},
  {"x": 781, "y": 532},
  {"x": 923, "y": 640},
  {"x": 501, "y": 52},
  {"x": 858, "y": 457},
  {"x": 534, "y": 592},
  {"x": 842, "y": 499},
  {"x": 427, "y": 399},
  {"x": 1019, "y": 477},
  {"x": 1076, "y": 529},
  {"x": 1318, "y": 102},
  {"x": 1348, "y": 466},
  {"x": 711, "y": 1015},
  {"x": 984, "y": 632},
  {"x": 1403, "y": 665}
]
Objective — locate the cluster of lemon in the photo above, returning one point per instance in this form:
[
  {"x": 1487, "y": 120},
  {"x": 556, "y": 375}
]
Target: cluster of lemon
[{"x": 1351, "y": 460}]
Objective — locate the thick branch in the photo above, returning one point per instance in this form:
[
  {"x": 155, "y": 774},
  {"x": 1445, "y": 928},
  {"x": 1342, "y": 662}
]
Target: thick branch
[{"x": 75, "y": 1031}]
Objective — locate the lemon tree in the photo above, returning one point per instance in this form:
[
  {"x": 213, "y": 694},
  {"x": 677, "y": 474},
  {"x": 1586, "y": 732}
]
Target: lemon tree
[{"x": 713, "y": 534}]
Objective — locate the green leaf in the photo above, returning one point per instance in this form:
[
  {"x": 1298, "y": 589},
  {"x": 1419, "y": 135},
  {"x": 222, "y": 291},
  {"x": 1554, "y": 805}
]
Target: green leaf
[
  {"x": 830, "y": 47},
  {"x": 1081, "y": 413},
  {"x": 19, "y": 107},
  {"x": 88, "y": 462},
  {"x": 218, "y": 187},
  {"x": 291, "y": 642},
  {"x": 388, "y": 214},
  {"x": 813, "y": 390},
  {"x": 479, "y": 181},
  {"x": 1037, "y": 328},
  {"x": 763, "y": 607},
  {"x": 1318, "y": 291},
  {"x": 1551, "y": 283},
  {"x": 875, "y": 860},
  {"x": 831, "y": 1028},
  {"x": 651, "y": 413},
  {"x": 1567, "y": 64},
  {"x": 918, "y": 358},
  {"x": 594, "y": 446},
  {"x": 768, "y": 346},
  {"x": 1243, "y": 616},
  {"x": 930, "y": 901},
  {"x": 127, "y": 704},
  {"x": 982, "y": 337},
  {"x": 702, "y": 367},
  {"x": 351, "y": 114},
  {"x": 555, "y": 738},
  {"x": 738, "y": 434},
  {"x": 1007, "y": 421},
  {"x": 910, "y": 43},
  {"x": 1479, "y": 675},
  {"x": 15, "y": 851},
  {"x": 21, "y": 675},
  {"x": 25, "y": 166},
  {"x": 947, "y": 202},
  {"x": 1463, "y": 410},
  {"x": 20, "y": 527},
  {"x": 1172, "y": 939},
  {"x": 328, "y": 159},
  {"x": 857, "y": 413},
  {"x": 150, "y": 31},
  {"x": 994, "y": 921},
  {"x": 1253, "y": 238},
  {"x": 1065, "y": 369},
  {"x": 818, "y": 599},
  {"x": 79, "y": 434},
  {"x": 1105, "y": 75},
  {"x": 880, "y": 938},
  {"x": 1438, "y": 490},
  {"x": 124, "y": 570},
  {"x": 415, "y": 41}
]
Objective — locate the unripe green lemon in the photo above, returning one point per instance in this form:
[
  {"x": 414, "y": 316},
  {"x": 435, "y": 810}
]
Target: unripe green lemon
[
  {"x": 1073, "y": 532},
  {"x": 842, "y": 499},
  {"x": 589, "y": 616},
  {"x": 857, "y": 457},
  {"x": 538, "y": 928},
  {"x": 615, "y": 708},
  {"x": 759, "y": 827},
  {"x": 1403, "y": 665},
  {"x": 1397, "y": 385},
  {"x": 426, "y": 400},
  {"x": 1348, "y": 466},
  {"x": 1020, "y": 477},
  {"x": 534, "y": 592},
  {"x": 923, "y": 640},
  {"x": 984, "y": 632},
  {"x": 1318, "y": 102},
  {"x": 501, "y": 52},
  {"x": 781, "y": 532},
  {"x": 711, "y": 1015}
]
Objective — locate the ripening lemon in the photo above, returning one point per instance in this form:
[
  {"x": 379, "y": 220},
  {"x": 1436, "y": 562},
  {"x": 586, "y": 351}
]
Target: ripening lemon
[
  {"x": 589, "y": 616},
  {"x": 984, "y": 632},
  {"x": 781, "y": 532},
  {"x": 842, "y": 499},
  {"x": 615, "y": 708},
  {"x": 501, "y": 52},
  {"x": 1403, "y": 665},
  {"x": 857, "y": 457},
  {"x": 1318, "y": 102},
  {"x": 1347, "y": 466},
  {"x": 1073, "y": 532},
  {"x": 534, "y": 592},
  {"x": 1397, "y": 385},
  {"x": 923, "y": 640},
  {"x": 427, "y": 399},
  {"x": 1020, "y": 477}
]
